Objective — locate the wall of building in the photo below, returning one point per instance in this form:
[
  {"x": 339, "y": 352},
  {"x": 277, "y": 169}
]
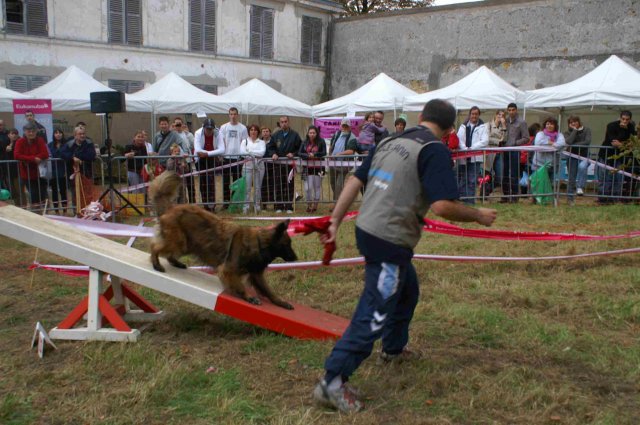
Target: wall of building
[
  {"x": 79, "y": 36},
  {"x": 531, "y": 44}
]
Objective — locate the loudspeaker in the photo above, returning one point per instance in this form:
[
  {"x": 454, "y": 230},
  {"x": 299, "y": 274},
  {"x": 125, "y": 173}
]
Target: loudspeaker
[{"x": 104, "y": 102}]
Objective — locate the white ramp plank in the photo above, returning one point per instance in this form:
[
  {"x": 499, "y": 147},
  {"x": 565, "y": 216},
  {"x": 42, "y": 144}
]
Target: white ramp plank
[{"x": 108, "y": 256}]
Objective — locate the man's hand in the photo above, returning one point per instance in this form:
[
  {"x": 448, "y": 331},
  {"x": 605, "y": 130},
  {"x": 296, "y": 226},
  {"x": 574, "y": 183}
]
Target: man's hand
[
  {"x": 486, "y": 216},
  {"x": 274, "y": 156},
  {"x": 332, "y": 231},
  {"x": 129, "y": 154},
  {"x": 37, "y": 160},
  {"x": 289, "y": 155},
  {"x": 616, "y": 143}
]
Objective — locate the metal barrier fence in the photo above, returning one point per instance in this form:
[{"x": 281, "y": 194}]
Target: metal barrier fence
[
  {"x": 506, "y": 174},
  {"x": 287, "y": 185}
]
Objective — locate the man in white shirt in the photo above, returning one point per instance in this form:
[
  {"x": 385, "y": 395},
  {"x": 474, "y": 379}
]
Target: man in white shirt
[
  {"x": 207, "y": 147},
  {"x": 473, "y": 135},
  {"x": 231, "y": 134}
]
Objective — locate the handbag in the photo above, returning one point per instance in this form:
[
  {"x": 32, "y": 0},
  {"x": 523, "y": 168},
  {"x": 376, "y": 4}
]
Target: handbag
[
  {"x": 524, "y": 180},
  {"x": 44, "y": 169}
]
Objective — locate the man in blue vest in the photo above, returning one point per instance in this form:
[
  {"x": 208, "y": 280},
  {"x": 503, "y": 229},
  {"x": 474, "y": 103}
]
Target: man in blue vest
[{"x": 406, "y": 175}]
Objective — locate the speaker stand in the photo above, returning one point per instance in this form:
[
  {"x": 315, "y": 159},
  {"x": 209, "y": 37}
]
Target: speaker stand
[{"x": 112, "y": 191}]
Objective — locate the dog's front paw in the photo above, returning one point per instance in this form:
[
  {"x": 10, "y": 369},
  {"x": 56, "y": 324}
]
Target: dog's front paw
[
  {"x": 176, "y": 263},
  {"x": 285, "y": 305},
  {"x": 254, "y": 300},
  {"x": 159, "y": 268}
]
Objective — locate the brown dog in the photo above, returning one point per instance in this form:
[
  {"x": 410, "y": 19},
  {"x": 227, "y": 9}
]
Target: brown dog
[{"x": 237, "y": 252}]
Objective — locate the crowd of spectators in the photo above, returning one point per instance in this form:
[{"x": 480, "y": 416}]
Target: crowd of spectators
[{"x": 268, "y": 162}]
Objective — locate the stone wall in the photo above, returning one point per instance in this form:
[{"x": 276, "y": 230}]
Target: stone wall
[{"x": 531, "y": 44}]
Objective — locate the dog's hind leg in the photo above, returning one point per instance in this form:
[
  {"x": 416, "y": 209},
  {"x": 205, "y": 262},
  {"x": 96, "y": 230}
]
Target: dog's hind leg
[
  {"x": 258, "y": 281},
  {"x": 233, "y": 281},
  {"x": 156, "y": 248},
  {"x": 176, "y": 263}
]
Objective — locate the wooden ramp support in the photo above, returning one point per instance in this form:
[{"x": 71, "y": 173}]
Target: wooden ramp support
[{"x": 122, "y": 262}]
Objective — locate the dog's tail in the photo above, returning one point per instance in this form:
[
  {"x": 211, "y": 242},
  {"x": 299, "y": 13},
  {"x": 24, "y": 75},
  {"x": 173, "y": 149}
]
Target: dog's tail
[{"x": 164, "y": 190}]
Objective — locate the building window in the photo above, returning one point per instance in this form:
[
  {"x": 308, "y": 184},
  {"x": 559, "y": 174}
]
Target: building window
[
  {"x": 126, "y": 86},
  {"x": 25, "y": 83},
  {"x": 209, "y": 88},
  {"x": 27, "y": 17},
  {"x": 202, "y": 28},
  {"x": 125, "y": 22},
  {"x": 261, "y": 33},
  {"x": 311, "y": 40}
]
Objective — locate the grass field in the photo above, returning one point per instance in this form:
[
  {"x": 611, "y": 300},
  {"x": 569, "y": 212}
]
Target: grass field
[{"x": 503, "y": 343}]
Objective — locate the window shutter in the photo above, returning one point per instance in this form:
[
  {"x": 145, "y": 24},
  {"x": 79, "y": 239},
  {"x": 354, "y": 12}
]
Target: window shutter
[
  {"x": 17, "y": 83},
  {"x": 255, "y": 31},
  {"x": 208, "y": 88},
  {"x": 134, "y": 22},
  {"x": 209, "y": 26},
  {"x": 36, "y": 17},
  {"x": 36, "y": 81},
  {"x": 267, "y": 33},
  {"x": 195, "y": 25},
  {"x": 305, "y": 51},
  {"x": 14, "y": 12},
  {"x": 116, "y": 21},
  {"x": 24, "y": 83},
  {"x": 316, "y": 43}
]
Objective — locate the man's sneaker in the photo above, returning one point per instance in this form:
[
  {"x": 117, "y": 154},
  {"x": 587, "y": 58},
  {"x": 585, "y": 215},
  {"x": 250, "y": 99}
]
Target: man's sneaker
[
  {"x": 579, "y": 191},
  {"x": 289, "y": 211},
  {"x": 278, "y": 211},
  {"x": 405, "y": 355},
  {"x": 343, "y": 399}
]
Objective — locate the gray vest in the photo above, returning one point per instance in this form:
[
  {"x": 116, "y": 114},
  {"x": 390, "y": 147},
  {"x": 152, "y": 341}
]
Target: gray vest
[{"x": 394, "y": 203}]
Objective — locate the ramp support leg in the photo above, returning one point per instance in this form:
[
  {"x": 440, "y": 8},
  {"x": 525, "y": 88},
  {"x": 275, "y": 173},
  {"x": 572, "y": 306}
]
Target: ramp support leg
[{"x": 96, "y": 306}]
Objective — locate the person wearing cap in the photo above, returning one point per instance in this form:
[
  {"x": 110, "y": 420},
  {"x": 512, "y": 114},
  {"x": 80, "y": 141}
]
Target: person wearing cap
[
  {"x": 343, "y": 143},
  {"x": 207, "y": 146},
  {"x": 31, "y": 150},
  {"x": 406, "y": 176}
]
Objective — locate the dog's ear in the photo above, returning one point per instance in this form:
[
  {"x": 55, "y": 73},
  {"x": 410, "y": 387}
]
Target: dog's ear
[{"x": 281, "y": 228}]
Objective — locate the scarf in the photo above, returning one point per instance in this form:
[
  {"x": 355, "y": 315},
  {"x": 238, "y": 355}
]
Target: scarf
[{"x": 551, "y": 135}]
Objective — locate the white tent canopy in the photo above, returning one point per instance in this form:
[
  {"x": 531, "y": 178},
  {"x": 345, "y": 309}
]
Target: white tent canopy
[
  {"x": 482, "y": 88},
  {"x": 381, "y": 93},
  {"x": 6, "y": 99},
  {"x": 173, "y": 94},
  {"x": 256, "y": 98},
  {"x": 70, "y": 90},
  {"x": 614, "y": 82}
]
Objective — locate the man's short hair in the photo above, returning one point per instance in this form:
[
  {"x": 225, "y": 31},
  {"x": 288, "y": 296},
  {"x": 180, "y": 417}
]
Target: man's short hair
[
  {"x": 234, "y": 109},
  {"x": 439, "y": 112},
  {"x": 379, "y": 112},
  {"x": 78, "y": 128},
  {"x": 512, "y": 105},
  {"x": 28, "y": 111},
  {"x": 400, "y": 121},
  {"x": 178, "y": 119},
  {"x": 29, "y": 126},
  {"x": 475, "y": 108},
  {"x": 626, "y": 113},
  {"x": 164, "y": 119},
  {"x": 81, "y": 123}
]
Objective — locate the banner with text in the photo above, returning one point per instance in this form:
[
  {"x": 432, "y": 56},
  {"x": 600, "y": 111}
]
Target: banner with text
[
  {"x": 328, "y": 126},
  {"x": 42, "y": 115}
]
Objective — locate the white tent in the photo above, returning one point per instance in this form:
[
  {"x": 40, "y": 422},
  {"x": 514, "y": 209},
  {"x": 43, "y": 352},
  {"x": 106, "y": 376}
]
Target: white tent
[
  {"x": 614, "y": 82},
  {"x": 6, "y": 99},
  {"x": 381, "y": 93},
  {"x": 172, "y": 94},
  {"x": 256, "y": 98},
  {"x": 482, "y": 88},
  {"x": 70, "y": 90}
]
